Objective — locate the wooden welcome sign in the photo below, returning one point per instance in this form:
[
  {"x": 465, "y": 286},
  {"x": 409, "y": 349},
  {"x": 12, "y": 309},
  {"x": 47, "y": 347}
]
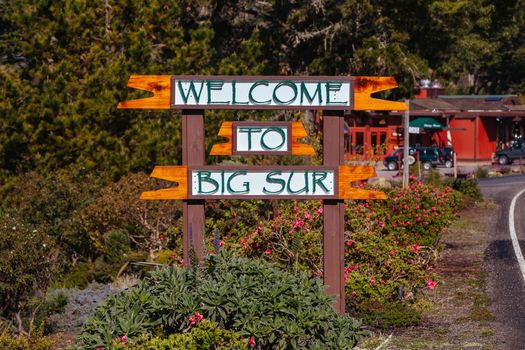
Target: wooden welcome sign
[
  {"x": 331, "y": 182},
  {"x": 283, "y": 182}
]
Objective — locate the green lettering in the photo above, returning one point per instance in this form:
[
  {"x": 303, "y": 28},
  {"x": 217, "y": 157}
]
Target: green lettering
[
  {"x": 304, "y": 189},
  {"x": 305, "y": 93},
  {"x": 191, "y": 90},
  {"x": 205, "y": 176},
  {"x": 319, "y": 181},
  {"x": 277, "y": 130},
  {"x": 234, "y": 93},
  {"x": 245, "y": 184},
  {"x": 333, "y": 86},
  {"x": 270, "y": 179},
  {"x": 249, "y": 131},
  {"x": 250, "y": 94},
  {"x": 215, "y": 85},
  {"x": 291, "y": 85}
]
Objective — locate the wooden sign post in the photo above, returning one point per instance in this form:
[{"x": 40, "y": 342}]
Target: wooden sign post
[{"x": 331, "y": 182}]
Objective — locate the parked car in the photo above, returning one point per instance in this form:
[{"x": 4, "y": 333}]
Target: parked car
[
  {"x": 392, "y": 159},
  {"x": 509, "y": 155},
  {"x": 428, "y": 156},
  {"x": 447, "y": 156}
]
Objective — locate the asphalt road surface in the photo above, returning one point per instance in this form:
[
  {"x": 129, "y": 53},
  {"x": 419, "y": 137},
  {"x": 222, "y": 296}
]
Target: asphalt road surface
[{"x": 506, "y": 279}]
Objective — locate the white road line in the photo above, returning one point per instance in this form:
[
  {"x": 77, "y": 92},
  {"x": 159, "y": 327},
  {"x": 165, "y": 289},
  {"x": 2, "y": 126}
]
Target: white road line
[{"x": 514, "y": 236}]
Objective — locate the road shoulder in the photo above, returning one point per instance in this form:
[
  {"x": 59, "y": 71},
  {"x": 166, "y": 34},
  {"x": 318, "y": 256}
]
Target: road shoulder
[{"x": 457, "y": 313}]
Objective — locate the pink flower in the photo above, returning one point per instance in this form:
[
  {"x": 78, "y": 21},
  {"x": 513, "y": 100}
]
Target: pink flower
[
  {"x": 349, "y": 242},
  {"x": 354, "y": 293},
  {"x": 307, "y": 215},
  {"x": 295, "y": 208},
  {"x": 381, "y": 224},
  {"x": 320, "y": 211},
  {"x": 99, "y": 348},
  {"x": 162, "y": 237},
  {"x": 372, "y": 281},
  {"x": 298, "y": 224},
  {"x": 251, "y": 342},
  {"x": 431, "y": 284},
  {"x": 221, "y": 243},
  {"x": 123, "y": 339},
  {"x": 267, "y": 251},
  {"x": 415, "y": 248},
  {"x": 196, "y": 318}
]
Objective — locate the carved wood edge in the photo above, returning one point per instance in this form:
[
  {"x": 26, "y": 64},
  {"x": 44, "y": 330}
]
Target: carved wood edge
[
  {"x": 159, "y": 85},
  {"x": 300, "y": 149},
  {"x": 365, "y": 86},
  {"x": 178, "y": 174},
  {"x": 349, "y": 174},
  {"x": 226, "y": 148}
]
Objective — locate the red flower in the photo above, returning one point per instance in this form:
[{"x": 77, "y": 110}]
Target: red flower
[
  {"x": 162, "y": 237},
  {"x": 221, "y": 243},
  {"x": 267, "y": 251},
  {"x": 431, "y": 284},
  {"x": 251, "y": 342},
  {"x": 196, "y": 318},
  {"x": 415, "y": 248},
  {"x": 123, "y": 339},
  {"x": 320, "y": 211},
  {"x": 349, "y": 242}
]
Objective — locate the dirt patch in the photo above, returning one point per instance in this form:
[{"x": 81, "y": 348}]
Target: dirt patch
[{"x": 456, "y": 315}]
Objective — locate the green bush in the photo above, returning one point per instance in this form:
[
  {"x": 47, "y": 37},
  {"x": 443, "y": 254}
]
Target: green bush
[
  {"x": 469, "y": 188},
  {"x": 277, "y": 309},
  {"x": 28, "y": 261},
  {"x": 205, "y": 335},
  {"x": 22, "y": 342}
]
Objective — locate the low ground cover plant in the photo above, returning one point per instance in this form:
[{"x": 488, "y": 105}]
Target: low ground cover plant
[{"x": 274, "y": 308}]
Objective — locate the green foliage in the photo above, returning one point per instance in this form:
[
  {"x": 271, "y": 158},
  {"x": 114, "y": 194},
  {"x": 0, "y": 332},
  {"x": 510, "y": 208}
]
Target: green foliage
[
  {"x": 50, "y": 204},
  {"x": 28, "y": 261},
  {"x": 389, "y": 315},
  {"x": 205, "y": 335},
  {"x": 481, "y": 172},
  {"x": 35, "y": 342},
  {"x": 116, "y": 245},
  {"x": 277, "y": 309},
  {"x": 469, "y": 188},
  {"x": 150, "y": 225},
  {"x": 433, "y": 178}
]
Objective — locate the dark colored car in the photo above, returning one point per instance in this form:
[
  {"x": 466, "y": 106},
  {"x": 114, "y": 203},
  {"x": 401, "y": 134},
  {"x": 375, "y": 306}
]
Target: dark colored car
[
  {"x": 392, "y": 159},
  {"x": 428, "y": 156},
  {"x": 447, "y": 156},
  {"x": 509, "y": 155}
]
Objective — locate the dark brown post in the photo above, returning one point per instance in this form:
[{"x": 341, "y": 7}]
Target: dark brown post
[
  {"x": 333, "y": 212},
  {"x": 193, "y": 154}
]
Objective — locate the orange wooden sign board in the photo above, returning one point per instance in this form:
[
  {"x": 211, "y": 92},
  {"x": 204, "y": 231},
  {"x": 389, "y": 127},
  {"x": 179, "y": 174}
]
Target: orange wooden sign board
[
  {"x": 250, "y": 138},
  {"x": 262, "y": 92},
  {"x": 245, "y": 182}
]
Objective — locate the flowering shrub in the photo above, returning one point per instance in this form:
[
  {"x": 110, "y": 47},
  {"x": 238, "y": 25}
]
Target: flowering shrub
[{"x": 389, "y": 244}]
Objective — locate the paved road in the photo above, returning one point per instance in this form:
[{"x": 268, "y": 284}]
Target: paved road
[{"x": 506, "y": 281}]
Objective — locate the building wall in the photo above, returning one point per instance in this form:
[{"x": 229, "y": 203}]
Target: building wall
[
  {"x": 464, "y": 141},
  {"x": 487, "y": 137}
]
